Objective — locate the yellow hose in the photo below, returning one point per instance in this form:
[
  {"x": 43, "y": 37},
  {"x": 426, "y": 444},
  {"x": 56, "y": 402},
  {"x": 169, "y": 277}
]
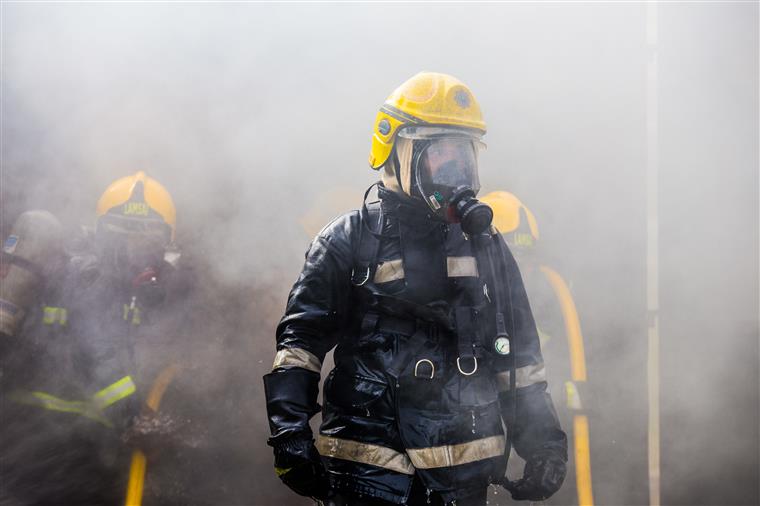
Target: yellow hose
[
  {"x": 578, "y": 373},
  {"x": 572, "y": 324},
  {"x": 137, "y": 467},
  {"x": 582, "y": 461}
]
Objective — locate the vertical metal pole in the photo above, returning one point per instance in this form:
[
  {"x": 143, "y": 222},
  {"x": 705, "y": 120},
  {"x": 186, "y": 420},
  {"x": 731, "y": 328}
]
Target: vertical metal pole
[{"x": 653, "y": 281}]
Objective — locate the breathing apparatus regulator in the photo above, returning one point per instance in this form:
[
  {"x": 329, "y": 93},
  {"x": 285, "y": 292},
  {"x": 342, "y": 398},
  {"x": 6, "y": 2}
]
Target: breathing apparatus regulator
[{"x": 444, "y": 174}]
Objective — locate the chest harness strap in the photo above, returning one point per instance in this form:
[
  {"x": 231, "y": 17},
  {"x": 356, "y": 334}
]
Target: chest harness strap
[{"x": 366, "y": 253}]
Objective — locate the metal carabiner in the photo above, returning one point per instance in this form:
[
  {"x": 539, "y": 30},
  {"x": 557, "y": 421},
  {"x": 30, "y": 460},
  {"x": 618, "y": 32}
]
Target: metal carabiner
[
  {"x": 366, "y": 277},
  {"x": 421, "y": 361},
  {"x": 475, "y": 359}
]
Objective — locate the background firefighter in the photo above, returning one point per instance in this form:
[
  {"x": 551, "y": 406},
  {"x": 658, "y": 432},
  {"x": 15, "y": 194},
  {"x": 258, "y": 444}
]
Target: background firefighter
[
  {"x": 562, "y": 342},
  {"x": 51, "y": 435},
  {"x": 436, "y": 344},
  {"x": 123, "y": 306}
]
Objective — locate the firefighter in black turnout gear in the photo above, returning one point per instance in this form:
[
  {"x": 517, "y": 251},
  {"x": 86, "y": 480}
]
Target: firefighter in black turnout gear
[
  {"x": 436, "y": 350},
  {"x": 96, "y": 329}
]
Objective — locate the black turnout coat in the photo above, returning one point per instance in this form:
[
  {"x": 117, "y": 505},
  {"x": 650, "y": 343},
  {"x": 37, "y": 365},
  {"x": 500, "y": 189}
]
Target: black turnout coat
[{"x": 419, "y": 386}]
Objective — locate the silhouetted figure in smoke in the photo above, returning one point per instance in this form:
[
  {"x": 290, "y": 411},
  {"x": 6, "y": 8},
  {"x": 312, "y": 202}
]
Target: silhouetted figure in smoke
[
  {"x": 49, "y": 436},
  {"x": 560, "y": 334},
  {"x": 115, "y": 377},
  {"x": 436, "y": 344}
]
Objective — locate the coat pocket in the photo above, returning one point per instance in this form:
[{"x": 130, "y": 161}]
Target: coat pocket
[{"x": 353, "y": 392}]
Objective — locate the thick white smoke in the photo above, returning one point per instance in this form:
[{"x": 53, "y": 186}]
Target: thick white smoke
[{"x": 250, "y": 113}]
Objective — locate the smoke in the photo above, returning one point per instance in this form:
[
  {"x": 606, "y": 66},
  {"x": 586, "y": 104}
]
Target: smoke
[{"x": 251, "y": 113}]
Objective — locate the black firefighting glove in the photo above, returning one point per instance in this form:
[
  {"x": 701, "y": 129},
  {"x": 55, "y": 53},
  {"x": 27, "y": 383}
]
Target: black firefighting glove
[
  {"x": 543, "y": 476},
  {"x": 297, "y": 463}
]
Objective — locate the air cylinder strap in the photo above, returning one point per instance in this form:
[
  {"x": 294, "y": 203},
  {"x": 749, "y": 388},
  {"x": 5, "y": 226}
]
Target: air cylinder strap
[
  {"x": 23, "y": 263},
  {"x": 365, "y": 256}
]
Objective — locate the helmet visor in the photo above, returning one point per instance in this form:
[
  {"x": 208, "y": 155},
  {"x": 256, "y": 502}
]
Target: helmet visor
[
  {"x": 445, "y": 164},
  {"x": 114, "y": 225}
]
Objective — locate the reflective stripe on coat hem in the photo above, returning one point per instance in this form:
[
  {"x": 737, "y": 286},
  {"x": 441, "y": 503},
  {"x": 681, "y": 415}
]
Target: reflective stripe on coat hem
[
  {"x": 455, "y": 455},
  {"x": 297, "y": 357},
  {"x": 524, "y": 376},
  {"x": 364, "y": 453}
]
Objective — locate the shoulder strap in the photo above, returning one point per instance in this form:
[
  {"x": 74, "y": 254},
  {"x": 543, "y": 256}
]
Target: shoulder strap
[
  {"x": 23, "y": 263},
  {"x": 365, "y": 255}
]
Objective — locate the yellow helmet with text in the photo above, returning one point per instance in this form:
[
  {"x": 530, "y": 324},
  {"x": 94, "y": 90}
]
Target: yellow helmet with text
[
  {"x": 141, "y": 197},
  {"x": 427, "y": 99},
  {"x": 512, "y": 219}
]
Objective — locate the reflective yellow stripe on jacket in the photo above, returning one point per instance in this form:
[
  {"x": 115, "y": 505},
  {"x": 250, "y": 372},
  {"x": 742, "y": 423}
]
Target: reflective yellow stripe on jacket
[
  {"x": 92, "y": 408},
  {"x": 52, "y": 315},
  {"x": 114, "y": 392}
]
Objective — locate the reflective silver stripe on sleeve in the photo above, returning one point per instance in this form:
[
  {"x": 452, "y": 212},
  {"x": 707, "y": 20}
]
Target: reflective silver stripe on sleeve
[
  {"x": 525, "y": 376},
  {"x": 459, "y": 267},
  {"x": 455, "y": 455},
  {"x": 389, "y": 271},
  {"x": 364, "y": 453},
  {"x": 297, "y": 357}
]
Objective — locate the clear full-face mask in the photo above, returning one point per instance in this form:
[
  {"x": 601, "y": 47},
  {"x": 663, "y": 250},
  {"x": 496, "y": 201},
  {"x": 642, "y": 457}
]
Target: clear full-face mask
[
  {"x": 444, "y": 173},
  {"x": 131, "y": 245}
]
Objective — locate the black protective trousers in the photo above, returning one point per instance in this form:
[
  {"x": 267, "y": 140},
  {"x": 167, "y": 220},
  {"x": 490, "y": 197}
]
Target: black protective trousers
[{"x": 417, "y": 497}]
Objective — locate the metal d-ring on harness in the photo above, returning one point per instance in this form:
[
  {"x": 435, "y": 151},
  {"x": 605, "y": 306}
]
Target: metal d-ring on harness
[
  {"x": 424, "y": 361},
  {"x": 474, "y": 368},
  {"x": 467, "y": 336},
  {"x": 362, "y": 280}
]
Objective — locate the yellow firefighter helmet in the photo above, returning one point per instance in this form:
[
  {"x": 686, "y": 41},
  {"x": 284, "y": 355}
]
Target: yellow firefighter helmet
[
  {"x": 138, "y": 196},
  {"x": 427, "y": 99},
  {"x": 512, "y": 219}
]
